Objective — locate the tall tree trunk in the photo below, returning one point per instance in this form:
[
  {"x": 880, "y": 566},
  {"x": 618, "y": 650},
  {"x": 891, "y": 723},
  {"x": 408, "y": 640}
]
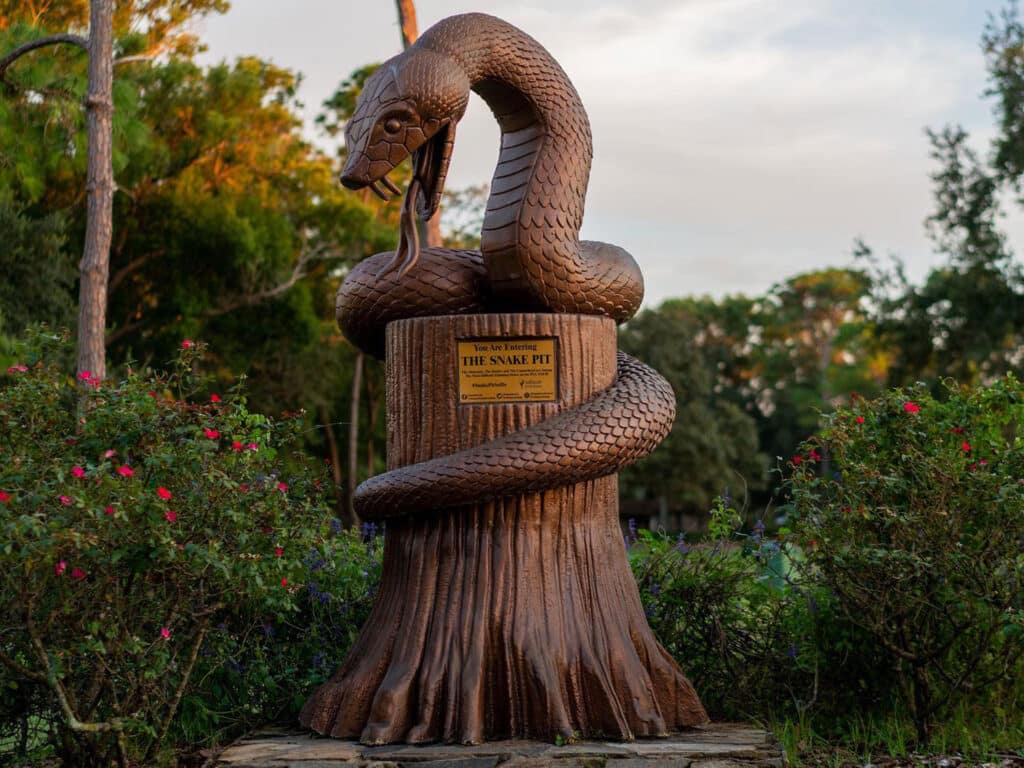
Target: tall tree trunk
[
  {"x": 95, "y": 265},
  {"x": 353, "y": 440},
  {"x": 430, "y": 231},
  {"x": 407, "y": 22},
  {"x": 340, "y": 497}
]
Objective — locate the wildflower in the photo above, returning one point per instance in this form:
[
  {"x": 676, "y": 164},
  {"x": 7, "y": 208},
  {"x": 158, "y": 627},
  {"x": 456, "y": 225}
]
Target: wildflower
[
  {"x": 85, "y": 375},
  {"x": 67, "y": 501},
  {"x": 911, "y": 407},
  {"x": 284, "y": 582},
  {"x": 982, "y": 463},
  {"x": 163, "y": 493},
  {"x": 213, "y": 434},
  {"x": 109, "y": 453},
  {"x": 60, "y": 567},
  {"x": 336, "y": 526},
  {"x": 278, "y": 551},
  {"x": 252, "y": 447},
  {"x": 215, "y": 398},
  {"x": 70, "y": 441},
  {"x": 165, "y": 633},
  {"x": 811, "y": 543},
  {"x": 813, "y": 455},
  {"x": 655, "y": 590},
  {"x": 5, "y": 498},
  {"x": 792, "y": 652},
  {"x": 17, "y": 369},
  {"x": 681, "y": 547},
  {"x": 797, "y": 459},
  {"x": 236, "y": 446},
  {"x": 109, "y": 509},
  {"x": 77, "y": 471},
  {"x": 283, "y": 487},
  {"x": 860, "y": 419},
  {"x": 972, "y": 467},
  {"x": 957, "y": 430},
  {"x": 171, "y": 516},
  {"x": 77, "y": 573},
  {"x": 125, "y": 471},
  {"x": 152, "y": 394},
  {"x": 313, "y": 560},
  {"x": 632, "y": 527},
  {"x": 187, "y": 344},
  {"x": 966, "y": 446}
]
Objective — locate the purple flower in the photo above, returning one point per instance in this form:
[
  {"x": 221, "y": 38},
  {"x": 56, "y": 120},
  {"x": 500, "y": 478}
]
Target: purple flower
[
  {"x": 336, "y": 526},
  {"x": 681, "y": 547},
  {"x": 632, "y": 527},
  {"x": 313, "y": 560}
]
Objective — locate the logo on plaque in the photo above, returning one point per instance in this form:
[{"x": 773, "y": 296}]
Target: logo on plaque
[{"x": 508, "y": 370}]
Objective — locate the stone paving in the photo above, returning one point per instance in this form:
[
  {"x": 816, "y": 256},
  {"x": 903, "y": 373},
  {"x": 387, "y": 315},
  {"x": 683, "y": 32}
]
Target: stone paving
[{"x": 715, "y": 746}]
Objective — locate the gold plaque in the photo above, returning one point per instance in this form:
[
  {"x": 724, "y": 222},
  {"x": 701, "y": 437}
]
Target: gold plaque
[{"x": 522, "y": 370}]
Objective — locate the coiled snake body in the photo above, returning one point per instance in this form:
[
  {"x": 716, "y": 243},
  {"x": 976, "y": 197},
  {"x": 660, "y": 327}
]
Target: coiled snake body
[{"x": 531, "y": 257}]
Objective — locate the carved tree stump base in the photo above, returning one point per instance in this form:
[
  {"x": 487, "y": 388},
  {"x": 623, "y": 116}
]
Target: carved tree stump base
[{"x": 518, "y": 618}]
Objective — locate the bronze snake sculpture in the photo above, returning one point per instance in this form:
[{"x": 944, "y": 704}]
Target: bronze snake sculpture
[{"x": 530, "y": 259}]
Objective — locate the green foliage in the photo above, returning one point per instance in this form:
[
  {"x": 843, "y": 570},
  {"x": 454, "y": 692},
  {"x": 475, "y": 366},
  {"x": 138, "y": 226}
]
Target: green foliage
[
  {"x": 39, "y": 274},
  {"x": 919, "y": 535},
  {"x": 159, "y": 547},
  {"x": 755, "y": 639},
  {"x": 967, "y": 319}
]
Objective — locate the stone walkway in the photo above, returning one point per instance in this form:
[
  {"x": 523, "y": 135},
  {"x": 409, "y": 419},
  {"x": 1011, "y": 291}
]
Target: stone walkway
[{"x": 716, "y": 746}]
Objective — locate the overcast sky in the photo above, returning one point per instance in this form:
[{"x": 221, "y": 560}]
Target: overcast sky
[{"x": 737, "y": 142}]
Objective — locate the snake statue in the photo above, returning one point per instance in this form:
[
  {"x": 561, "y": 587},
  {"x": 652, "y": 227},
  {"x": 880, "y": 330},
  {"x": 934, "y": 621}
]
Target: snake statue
[{"x": 530, "y": 257}]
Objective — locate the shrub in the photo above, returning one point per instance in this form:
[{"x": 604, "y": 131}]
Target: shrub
[
  {"x": 155, "y": 542},
  {"x": 727, "y": 610},
  {"x": 918, "y": 531}
]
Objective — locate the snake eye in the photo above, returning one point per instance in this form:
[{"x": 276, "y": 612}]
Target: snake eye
[{"x": 394, "y": 125}]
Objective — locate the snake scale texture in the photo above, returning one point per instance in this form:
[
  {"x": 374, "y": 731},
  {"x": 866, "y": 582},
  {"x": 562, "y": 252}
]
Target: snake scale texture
[{"x": 530, "y": 259}]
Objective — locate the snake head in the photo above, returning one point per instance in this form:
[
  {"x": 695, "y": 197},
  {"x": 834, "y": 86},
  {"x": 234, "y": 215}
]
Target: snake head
[{"x": 409, "y": 106}]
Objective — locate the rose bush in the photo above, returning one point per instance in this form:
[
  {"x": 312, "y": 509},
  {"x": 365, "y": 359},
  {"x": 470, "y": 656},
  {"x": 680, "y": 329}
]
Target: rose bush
[
  {"x": 917, "y": 529},
  {"x": 167, "y": 565}
]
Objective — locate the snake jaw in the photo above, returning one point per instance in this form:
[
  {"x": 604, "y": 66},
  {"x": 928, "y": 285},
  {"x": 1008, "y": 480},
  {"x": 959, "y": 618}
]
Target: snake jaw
[{"x": 430, "y": 166}]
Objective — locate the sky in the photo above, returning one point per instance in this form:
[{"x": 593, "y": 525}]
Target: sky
[{"x": 736, "y": 142}]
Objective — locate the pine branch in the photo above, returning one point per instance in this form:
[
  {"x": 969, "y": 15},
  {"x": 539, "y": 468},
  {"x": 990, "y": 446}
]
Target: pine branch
[{"x": 32, "y": 45}]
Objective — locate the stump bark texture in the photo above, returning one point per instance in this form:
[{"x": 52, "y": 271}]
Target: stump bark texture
[{"x": 518, "y": 618}]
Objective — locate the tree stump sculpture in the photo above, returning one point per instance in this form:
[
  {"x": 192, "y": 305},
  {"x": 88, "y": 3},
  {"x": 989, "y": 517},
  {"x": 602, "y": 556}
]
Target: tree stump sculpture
[{"x": 507, "y": 608}]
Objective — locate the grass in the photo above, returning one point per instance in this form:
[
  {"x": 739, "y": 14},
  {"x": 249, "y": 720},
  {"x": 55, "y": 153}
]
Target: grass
[{"x": 978, "y": 736}]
